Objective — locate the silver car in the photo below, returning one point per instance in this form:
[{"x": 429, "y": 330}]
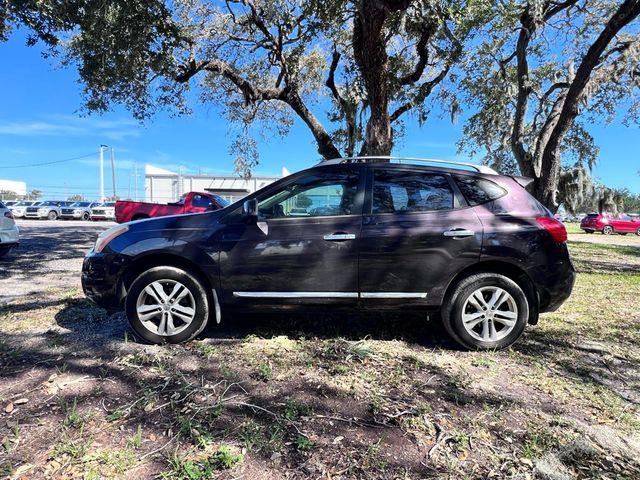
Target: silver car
[
  {"x": 20, "y": 208},
  {"x": 51, "y": 210},
  {"x": 78, "y": 211},
  {"x": 9, "y": 233}
]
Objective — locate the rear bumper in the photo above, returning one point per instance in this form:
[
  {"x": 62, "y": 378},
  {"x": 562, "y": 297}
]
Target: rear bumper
[{"x": 554, "y": 283}]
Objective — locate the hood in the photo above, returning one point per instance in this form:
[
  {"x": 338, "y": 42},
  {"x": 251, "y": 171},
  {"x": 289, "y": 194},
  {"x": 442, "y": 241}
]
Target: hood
[{"x": 191, "y": 221}]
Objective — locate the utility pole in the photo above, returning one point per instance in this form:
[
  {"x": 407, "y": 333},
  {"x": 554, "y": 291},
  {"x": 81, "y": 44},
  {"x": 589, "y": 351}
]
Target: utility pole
[
  {"x": 113, "y": 173},
  {"x": 102, "y": 147}
]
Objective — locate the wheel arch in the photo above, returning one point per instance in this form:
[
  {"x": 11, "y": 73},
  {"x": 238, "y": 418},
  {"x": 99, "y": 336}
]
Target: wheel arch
[
  {"x": 164, "y": 259},
  {"x": 510, "y": 271}
]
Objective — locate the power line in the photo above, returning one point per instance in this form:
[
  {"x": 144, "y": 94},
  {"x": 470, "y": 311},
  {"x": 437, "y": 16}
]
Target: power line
[{"x": 50, "y": 163}]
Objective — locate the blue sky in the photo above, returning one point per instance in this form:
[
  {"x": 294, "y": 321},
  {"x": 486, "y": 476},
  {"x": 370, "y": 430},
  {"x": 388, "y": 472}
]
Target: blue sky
[{"x": 39, "y": 122}]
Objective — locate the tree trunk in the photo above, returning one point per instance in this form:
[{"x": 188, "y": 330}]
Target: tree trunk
[
  {"x": 546, "y": 186},
  {"x": 370, "y": 52}
]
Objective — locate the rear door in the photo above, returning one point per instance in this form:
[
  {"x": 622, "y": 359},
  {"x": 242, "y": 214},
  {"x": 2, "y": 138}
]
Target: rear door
[{"x": 415, "y": 237}]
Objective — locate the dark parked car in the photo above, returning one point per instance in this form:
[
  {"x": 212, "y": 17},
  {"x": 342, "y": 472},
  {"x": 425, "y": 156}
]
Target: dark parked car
[{"x": 379, "y": 235}]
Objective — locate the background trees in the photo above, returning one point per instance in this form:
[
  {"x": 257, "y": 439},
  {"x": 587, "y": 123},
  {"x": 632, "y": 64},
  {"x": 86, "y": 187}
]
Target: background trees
[
  {"x": 530, "y": 75},
  {"x": 543, "y": 70}
]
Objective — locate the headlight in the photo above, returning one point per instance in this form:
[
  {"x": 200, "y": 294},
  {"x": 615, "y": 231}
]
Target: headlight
[
  {"x": 105, "y": 237},
  {"x": 42, "y": 210},
  {"x": 77, "y": 211}
]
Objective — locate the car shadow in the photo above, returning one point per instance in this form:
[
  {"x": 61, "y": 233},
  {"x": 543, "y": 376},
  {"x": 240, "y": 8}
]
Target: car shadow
[{"x": 423, "y": 329}]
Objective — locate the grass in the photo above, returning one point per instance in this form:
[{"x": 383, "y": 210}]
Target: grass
[{"x": 379, "y": 399}]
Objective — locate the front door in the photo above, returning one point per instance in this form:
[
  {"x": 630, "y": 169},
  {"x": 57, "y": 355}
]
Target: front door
[
  {"x": 414, "y": 238},
  {"x": 303, "y": 249}
]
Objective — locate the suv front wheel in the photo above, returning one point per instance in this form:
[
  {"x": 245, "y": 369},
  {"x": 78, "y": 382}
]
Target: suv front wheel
[
  {"x": 485, "y": 311},
  {"x": 167, "y": 305}
]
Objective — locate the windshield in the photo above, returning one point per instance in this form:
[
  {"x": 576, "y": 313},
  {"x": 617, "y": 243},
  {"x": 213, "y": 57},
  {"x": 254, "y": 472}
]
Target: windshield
[
  {"x": 23, "y": 204},
  {"x": 49, "y": 204},
  {"x": 108, "y": 204},
  {"x": 80, "y": 204}
]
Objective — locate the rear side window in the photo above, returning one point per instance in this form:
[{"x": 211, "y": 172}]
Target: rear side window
[
  {"x": 2, "y": 205},
  {"x": 406, "y": 192},
  {"x": 478, "y": 190}
]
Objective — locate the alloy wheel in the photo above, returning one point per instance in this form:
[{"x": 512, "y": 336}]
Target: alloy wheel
[
  {"x": 489, "y": 314},
  {"x": 166, "y": 307}
]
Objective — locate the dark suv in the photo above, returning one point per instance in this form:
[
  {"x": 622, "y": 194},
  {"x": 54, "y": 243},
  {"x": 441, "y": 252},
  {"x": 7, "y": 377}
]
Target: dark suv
[{"x": 364, "y": 233}]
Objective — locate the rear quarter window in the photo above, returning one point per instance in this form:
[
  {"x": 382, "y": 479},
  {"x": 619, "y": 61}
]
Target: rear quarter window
[{"x": 478, "y": 190}]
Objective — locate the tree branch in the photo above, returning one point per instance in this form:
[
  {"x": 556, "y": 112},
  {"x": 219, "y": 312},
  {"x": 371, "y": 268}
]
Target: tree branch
[
  {"x": 250, "y": 92},
  {"x": 422, "y": 48},
  {"x": 347, "y": 110},
  {"x": 626, "y": 13},
  {"x": 423, "y": 92}
]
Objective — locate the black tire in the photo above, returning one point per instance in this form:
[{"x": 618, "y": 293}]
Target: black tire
[
  {"x": 171, "y": 274},
  {"x": 589, "y": 231},
  {"x": 607, "y": 230},
  {"x": 4, "y": 251},
  {"x": 85, "y": 216},
  {"x": 452, "y": 310},
  {"x": 623, "y": 233},
  {"x": 52, "y": 215}
]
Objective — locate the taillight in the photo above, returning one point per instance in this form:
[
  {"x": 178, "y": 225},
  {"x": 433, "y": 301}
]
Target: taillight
[
  {"x": 8, "y": 214},
  {"x": 555, "y": 228}
]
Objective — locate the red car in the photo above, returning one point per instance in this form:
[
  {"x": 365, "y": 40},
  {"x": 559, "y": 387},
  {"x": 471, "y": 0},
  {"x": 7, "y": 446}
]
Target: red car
[
  {"x": 608, "y": 224},
  {"x": 192, "y": 202}
]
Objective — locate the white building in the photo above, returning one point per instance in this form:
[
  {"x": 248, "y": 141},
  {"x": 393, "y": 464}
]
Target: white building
[
  {"x": 162, "y": 186},
  {"x": 19, "y": 188}
]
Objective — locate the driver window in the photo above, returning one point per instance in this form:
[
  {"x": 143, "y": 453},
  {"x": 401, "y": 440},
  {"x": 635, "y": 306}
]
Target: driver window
[{"x": 323, "y": 194}]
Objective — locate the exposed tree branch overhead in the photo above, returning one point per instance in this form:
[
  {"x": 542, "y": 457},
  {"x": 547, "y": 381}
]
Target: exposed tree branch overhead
[{"x": 264, "y": 62}]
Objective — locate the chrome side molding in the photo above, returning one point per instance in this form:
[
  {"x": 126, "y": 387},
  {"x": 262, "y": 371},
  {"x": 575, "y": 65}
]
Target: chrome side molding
[{"x": 330, "y": 295}]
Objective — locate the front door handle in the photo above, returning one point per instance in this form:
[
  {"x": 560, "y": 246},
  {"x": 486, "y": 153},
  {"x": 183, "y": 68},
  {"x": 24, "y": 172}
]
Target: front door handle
[
  {"x": 339, "y": 237},
  {"x": 459, "y": 232}
]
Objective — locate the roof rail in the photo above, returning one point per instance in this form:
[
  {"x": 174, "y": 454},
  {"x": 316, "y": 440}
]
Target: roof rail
[{"x": 372, "y": 158}]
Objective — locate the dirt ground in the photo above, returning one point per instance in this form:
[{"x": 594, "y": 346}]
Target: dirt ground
[{"x": 315, "y": 396}]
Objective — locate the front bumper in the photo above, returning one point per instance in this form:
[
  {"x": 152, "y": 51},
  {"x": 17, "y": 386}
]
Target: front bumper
[
  {"x": 35, "y": 215},
  {"x": 77, "y": 216},
  {"x": 10, "y": 236},
  {"x": 102, "y": 279}
]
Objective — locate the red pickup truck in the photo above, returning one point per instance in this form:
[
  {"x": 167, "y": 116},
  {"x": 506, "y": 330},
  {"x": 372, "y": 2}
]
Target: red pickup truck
[{"x": 192, "y": 202}]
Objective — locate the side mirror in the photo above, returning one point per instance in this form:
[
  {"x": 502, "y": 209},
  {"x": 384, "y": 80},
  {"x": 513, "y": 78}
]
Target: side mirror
[{"x": 250, "y": 210}]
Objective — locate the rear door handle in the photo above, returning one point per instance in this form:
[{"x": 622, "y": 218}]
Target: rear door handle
[
  {"x": 459, "y": 232},
  {"x": 339, "y": 237}
]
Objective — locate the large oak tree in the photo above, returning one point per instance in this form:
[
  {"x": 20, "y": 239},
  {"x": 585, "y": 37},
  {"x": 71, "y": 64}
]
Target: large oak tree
[{"x": 350, "y": 70}]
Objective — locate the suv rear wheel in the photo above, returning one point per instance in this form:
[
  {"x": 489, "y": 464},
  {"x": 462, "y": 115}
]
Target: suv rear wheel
[
  {"x": 167, "y": 305},
  {"x": 485, "y": 311}
]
